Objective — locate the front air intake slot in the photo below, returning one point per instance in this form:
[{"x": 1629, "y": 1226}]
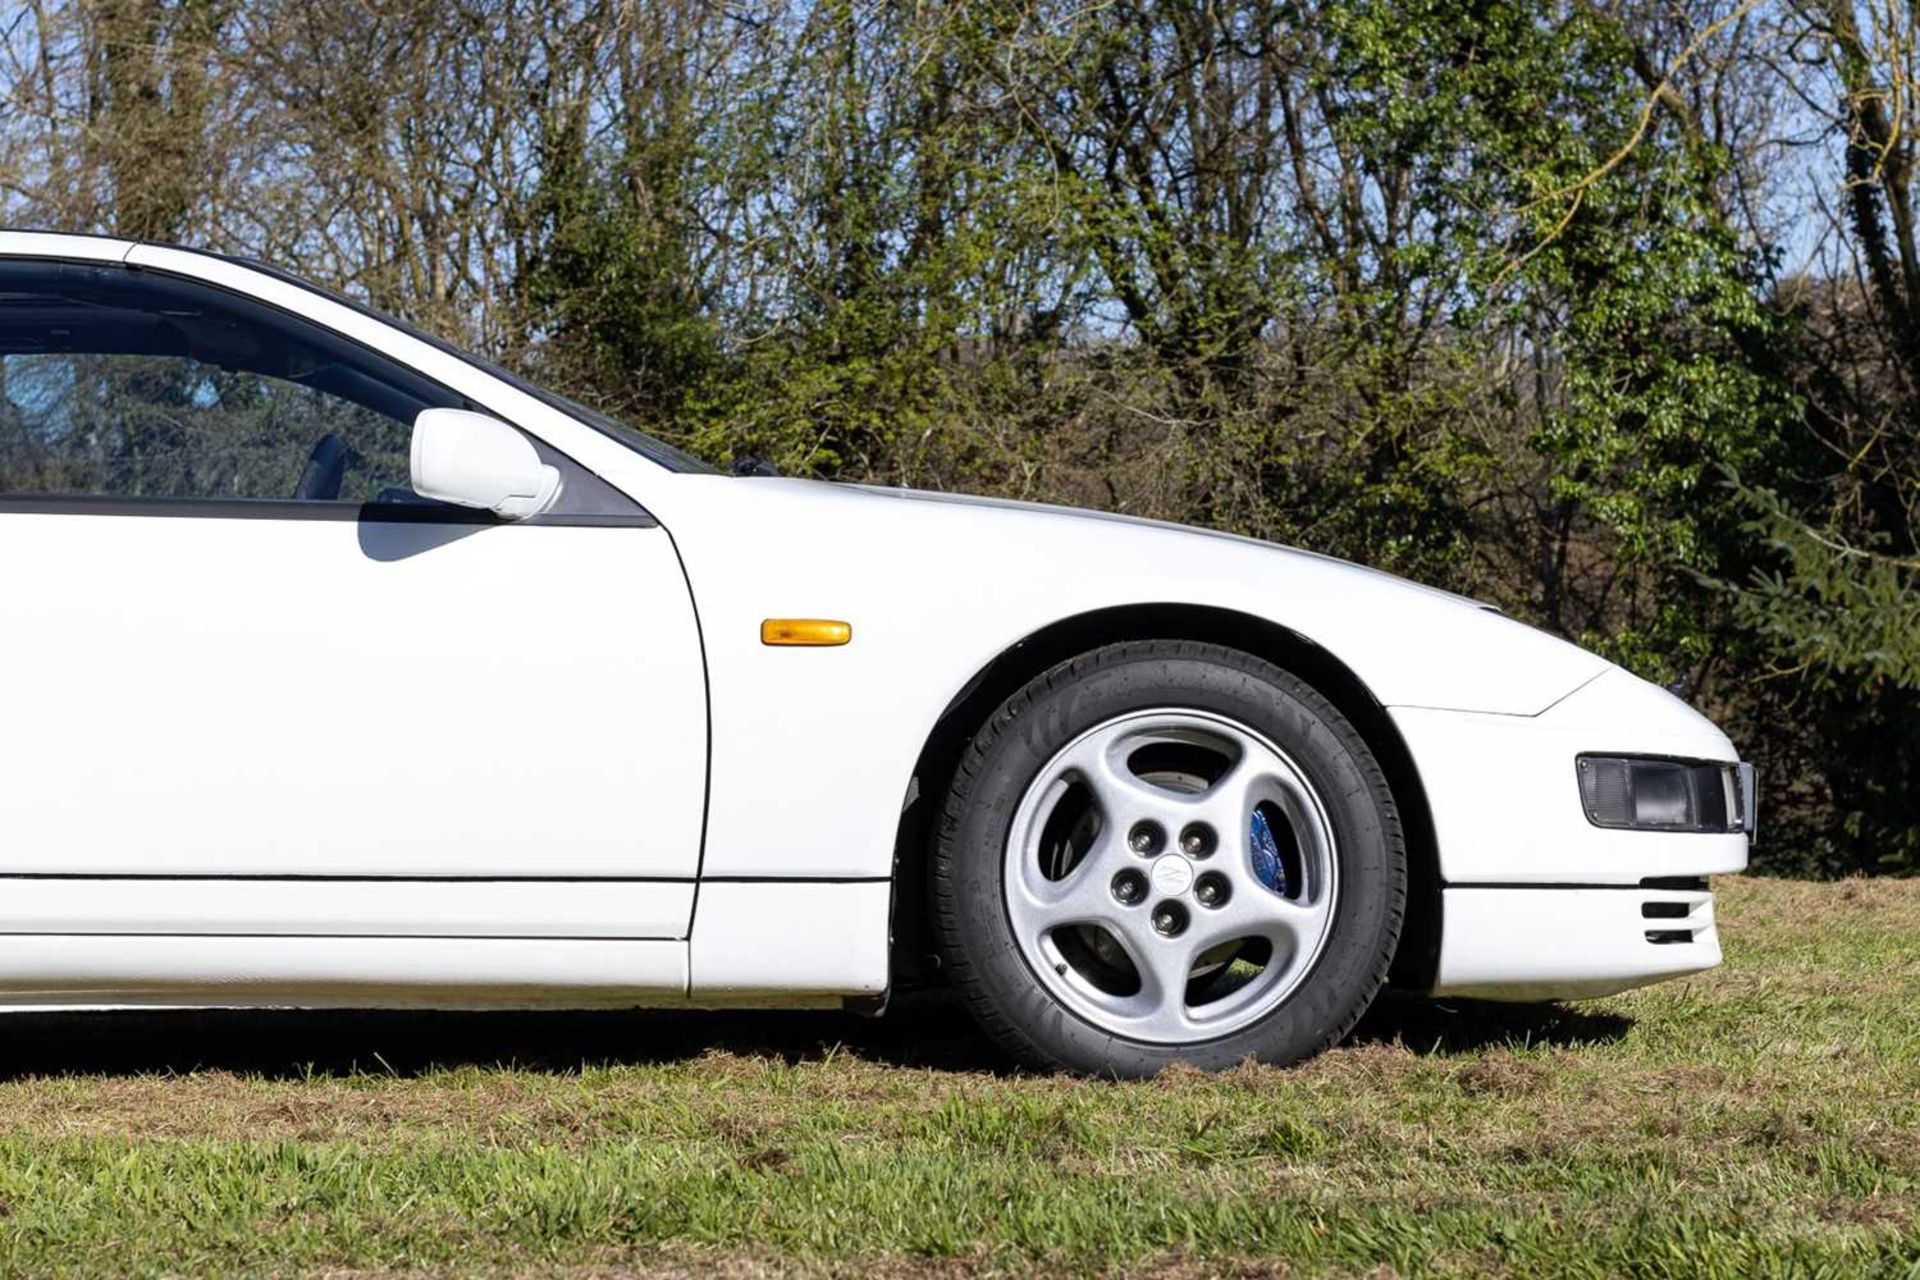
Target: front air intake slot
[
  {"x": 1665, "y": 910},
  {"x": 1668, "y": 937}
]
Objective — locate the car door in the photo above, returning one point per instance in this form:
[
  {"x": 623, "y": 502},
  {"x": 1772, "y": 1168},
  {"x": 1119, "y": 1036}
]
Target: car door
[{"x": 239, "y": 648}]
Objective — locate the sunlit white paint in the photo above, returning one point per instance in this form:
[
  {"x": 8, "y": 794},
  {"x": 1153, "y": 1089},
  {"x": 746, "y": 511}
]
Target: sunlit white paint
[
  {"x": 936, "y": 589},
  {"x": 321, "y": 697},
  {"x": 774, "y": 943},
  {"x": 1504, "y": 795},
  {"x": 47, "y": 244},
  {"x": 1546, "y": 944}
]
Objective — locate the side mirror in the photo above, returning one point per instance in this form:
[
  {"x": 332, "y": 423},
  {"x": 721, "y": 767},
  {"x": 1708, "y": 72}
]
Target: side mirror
[{"x": 475, "y": 461}]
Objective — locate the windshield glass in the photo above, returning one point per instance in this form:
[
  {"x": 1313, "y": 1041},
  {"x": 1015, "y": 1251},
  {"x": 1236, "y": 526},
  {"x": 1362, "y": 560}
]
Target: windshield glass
[{"x": 639, "y": 441}]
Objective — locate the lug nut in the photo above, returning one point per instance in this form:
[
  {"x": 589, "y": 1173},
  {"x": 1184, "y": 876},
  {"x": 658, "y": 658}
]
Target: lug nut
[
  {"x": 1196, "y": 841},
  {"x": 1169, "y": 919},
  {"x": 1212, "y": 890},
  {"x": 1146, "y": 838},
  {"x": 1129, "y": 887}
]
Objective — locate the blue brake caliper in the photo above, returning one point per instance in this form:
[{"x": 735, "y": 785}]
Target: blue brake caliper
[{"x": 1267, "y": 867}]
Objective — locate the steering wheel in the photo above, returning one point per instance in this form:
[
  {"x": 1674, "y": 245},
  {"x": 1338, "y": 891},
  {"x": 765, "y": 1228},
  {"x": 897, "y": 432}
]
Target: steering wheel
[{"x": 326, "y": 469}]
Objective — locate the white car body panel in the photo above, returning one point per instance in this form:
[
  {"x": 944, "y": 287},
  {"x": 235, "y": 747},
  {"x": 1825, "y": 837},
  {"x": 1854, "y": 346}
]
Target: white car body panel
[
  {"x": 936, "y": 590},
  {"x": 46, "y": 244},
  {"x": 326, "y": 697},
  {"x": 530, "y": 711}
]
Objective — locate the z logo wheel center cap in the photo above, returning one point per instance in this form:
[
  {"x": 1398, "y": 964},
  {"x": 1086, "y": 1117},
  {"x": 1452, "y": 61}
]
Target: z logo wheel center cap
[{"x": 1172, "y": 875}]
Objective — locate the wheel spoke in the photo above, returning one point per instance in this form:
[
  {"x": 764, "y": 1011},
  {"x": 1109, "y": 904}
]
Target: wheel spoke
[
  {"x": 1083, "y": 895},
  {"x": 1253, "y": 912},
  {"x": 1165, "y": 965},
  {"x": 1097, "y": 761},
  {"x": 1239, "y": 918},
  {"x": 1229, "y": 802}
]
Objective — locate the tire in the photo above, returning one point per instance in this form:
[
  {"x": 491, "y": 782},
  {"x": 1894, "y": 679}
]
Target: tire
[{"x": 1160, "y": 808}]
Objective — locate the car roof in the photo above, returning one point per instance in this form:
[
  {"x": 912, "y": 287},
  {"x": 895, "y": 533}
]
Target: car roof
[{"x": 62, "y": 244}]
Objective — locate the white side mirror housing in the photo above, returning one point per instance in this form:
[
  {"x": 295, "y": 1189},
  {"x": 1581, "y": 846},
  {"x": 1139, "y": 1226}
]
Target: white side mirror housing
[{"x": 472, "y": 460}]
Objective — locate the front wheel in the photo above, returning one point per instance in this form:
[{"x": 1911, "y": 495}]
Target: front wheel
[{"x": 1167, "y": 852}]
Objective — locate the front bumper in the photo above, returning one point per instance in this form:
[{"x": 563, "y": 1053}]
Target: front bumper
[
  {"x": 1569, "y": 943},
  {"x": 1537, "y": 902}
]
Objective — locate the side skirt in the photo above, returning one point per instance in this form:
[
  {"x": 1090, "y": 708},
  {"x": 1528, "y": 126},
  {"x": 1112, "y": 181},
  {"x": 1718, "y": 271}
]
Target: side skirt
[
  {"x": 286, "y": 971},
  {"x": 498, "y": 944}
]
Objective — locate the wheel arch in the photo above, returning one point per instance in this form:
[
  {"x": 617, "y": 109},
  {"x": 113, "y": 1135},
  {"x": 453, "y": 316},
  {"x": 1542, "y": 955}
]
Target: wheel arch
[{"x": 912, "y": 959}]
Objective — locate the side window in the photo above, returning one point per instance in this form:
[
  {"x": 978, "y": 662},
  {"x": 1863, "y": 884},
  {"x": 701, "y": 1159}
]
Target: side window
[{"x": 122, "y": 383}]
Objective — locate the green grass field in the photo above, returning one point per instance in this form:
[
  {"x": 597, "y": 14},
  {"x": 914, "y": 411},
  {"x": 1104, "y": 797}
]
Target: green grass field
[{"x": 1764, "y": 1120}]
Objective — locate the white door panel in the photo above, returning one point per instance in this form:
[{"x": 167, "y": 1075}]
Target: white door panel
[
  {"x": 313, "y": 695},
  {"x": 335, "y": 908}
]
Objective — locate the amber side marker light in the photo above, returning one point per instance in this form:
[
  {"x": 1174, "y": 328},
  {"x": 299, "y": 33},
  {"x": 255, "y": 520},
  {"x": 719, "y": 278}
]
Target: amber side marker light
[{"x": 805, "y": 631}]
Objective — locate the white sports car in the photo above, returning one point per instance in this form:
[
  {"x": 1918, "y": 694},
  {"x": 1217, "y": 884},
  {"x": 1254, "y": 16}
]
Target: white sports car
[{"x": 349, "y": 670}]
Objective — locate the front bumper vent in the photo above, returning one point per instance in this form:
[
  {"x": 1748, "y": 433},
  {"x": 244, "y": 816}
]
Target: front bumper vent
[{"x": 1680, "y": 918}]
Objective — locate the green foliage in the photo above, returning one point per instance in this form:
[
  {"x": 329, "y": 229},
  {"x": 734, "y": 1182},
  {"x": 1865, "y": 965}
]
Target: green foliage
[
  {"x": 612, "y": 291},
  {"x": 1850, "y": 615},
  {"x": 1839, "y": 626},
  {"x": 1617, "y": 254}
]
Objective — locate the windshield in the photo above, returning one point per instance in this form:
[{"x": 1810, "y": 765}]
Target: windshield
[{"x": 639, "y": 441}]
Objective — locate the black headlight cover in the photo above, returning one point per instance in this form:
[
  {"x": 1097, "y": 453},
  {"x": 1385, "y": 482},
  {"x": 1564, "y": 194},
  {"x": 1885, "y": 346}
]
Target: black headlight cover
[{"x": 1650, "y": 793}]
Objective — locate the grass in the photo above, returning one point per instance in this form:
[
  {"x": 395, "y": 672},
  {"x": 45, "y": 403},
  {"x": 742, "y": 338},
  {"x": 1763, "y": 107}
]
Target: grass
[{"x": 1762, "y": 1120}]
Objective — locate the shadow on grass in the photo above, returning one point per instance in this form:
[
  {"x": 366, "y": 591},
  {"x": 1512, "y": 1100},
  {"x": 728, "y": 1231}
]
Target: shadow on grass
[
  {"x": 277, "y": 1043},
  {"x": 927, "y": 1031},
  {"x": 1445, "y": 1026}
]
